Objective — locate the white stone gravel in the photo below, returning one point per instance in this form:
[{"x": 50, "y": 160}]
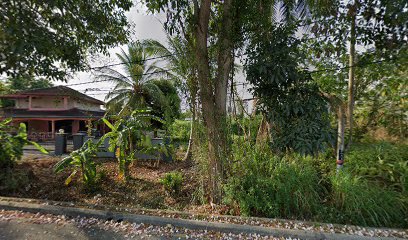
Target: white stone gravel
[
  {"x": 298, "y": 225},
  {"x": 263, "y": 222},
  {"x": 128, "y": 230}
]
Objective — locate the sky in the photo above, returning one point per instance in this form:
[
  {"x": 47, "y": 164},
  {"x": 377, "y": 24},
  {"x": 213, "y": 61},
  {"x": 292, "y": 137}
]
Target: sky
[{"x": 146, "y": 26}]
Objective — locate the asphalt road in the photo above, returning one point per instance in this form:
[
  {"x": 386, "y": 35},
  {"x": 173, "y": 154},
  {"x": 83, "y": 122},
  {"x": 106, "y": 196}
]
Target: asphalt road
[{"x": 21, "y": 229}]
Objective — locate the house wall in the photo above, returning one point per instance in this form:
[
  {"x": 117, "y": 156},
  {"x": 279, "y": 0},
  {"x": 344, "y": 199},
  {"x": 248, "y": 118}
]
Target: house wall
[
  {"x": 75, "y": 126},
  {"x": 38, "y": 126},
  {"x": 21, "y": 103},
  {"x": 53, "y": 102},
  {"x": 86, "y": 105}
]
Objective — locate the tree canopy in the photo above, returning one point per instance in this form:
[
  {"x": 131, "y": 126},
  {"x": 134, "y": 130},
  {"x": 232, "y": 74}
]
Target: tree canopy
[
  {"x": 44, "y": 38},
  {"x": 140, "y": 86}
]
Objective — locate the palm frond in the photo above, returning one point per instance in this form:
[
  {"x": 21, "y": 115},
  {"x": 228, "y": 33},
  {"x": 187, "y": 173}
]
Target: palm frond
[{"x": 111, "y": 75}]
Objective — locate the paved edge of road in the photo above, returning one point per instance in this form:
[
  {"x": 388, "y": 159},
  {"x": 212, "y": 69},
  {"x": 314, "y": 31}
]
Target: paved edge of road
[{"x": 176, "y": 222}]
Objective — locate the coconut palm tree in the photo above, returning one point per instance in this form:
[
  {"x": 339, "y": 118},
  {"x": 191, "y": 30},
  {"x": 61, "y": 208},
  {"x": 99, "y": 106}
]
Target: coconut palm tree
[
  {"x": 136, "y": 87},
  {"x": 180, "y": 60}
]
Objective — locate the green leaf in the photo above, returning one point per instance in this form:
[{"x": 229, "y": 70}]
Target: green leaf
[
  {"x": 108, "y": 124},
  {"x": 39, "y": 147},
  {"x": 63, "y": 164},
  {"x": 70, "y": 177}
]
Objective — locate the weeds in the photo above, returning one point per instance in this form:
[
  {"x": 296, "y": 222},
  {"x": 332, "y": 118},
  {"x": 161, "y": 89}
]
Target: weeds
[
  {"x": 356, "y": 201},
  {"x": 293, "y": 186},
  {"x": 81, "y": 161},
  {"x": 383, "y": 163},
  {"x": 172, "y": 183},
  {"x": 270, "y": 186}
]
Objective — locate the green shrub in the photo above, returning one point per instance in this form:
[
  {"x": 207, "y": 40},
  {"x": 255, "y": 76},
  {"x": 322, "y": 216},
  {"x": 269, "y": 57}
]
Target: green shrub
[
  {"x": 383, "y": 162},
  {"x": 11, "y": 147},
  {"x": 12, "y": 141},
  {"x": 266, "y": 185},
  {"x": 172, "y": 182},
  {"x": 81, "y": 161},
  {"x": 180, "y": 130},
  {"x": 356, "y": 201}
]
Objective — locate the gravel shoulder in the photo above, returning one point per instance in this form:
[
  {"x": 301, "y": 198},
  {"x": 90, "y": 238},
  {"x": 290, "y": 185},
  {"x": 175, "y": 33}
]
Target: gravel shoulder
[
  {"x": 171, "y": 224},
  {"x": 38, "y": 226}
]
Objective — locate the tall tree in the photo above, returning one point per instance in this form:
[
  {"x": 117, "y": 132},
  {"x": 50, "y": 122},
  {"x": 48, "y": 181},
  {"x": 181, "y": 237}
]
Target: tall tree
[
  {"x": 212, "y": 82},
  {"x": 352, "y": 62},
  {"x": 29, "y": 82},
  {"x": 217, "y": 30},
  {"x": 379, "y": 25},
  {"x": 44, "y": 38},
  {"x": 180, "y": 61},
  {"x": 291, "y": 101},
  {"x": 138, "y": 86}
]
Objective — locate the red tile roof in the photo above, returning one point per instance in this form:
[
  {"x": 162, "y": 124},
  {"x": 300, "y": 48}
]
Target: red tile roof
[
  {"x": 73, "y": 113},
  {"x": 54, "y": 91}
]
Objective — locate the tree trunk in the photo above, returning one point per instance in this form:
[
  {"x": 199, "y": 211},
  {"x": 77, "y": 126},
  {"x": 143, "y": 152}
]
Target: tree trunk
[
  {"x": 340, "y": 136},
  {"x": 337, "y": 103},
  {"x": 208, "y": 101},
  {"x": 351, "y": 83},
  {"x": 187, "y": 156},
  {"x": 224, "y": 64},
  {"x": 224, "y": 59}
]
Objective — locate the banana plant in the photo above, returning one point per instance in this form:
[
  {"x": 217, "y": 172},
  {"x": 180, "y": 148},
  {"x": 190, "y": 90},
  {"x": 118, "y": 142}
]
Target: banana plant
[
  {"x": 83, "y": 160},
  {"x": 11, "y": 147},
  {"x": 128, "y": 136}
]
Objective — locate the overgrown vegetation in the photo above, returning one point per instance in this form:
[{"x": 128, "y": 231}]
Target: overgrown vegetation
[
  {"x": 306, "y": 79},
  {"x": 12, "y": 140},
  {"x": 357, "y": 201},
  {"x": 172, "y": 182},
  {"x": 296, "y": 187},
  {"x": 82, "y": 161},
  {"x": 272, "y": 186},
  {"x": 381, "y": 162},
  {"x": 180, "y": 131}
]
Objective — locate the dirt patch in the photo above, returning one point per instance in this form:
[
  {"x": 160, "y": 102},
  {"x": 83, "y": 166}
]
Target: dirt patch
[{"x": 143, "y": 190}]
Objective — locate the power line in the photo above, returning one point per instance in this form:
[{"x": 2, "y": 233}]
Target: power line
[
  {"x": 347, "y": 67},
  {"x": 246, "y": 83},
  {"x": 174, "y": 54},
  {"x": 122, "y": 63},
  {"x": 108, "y": 80}
]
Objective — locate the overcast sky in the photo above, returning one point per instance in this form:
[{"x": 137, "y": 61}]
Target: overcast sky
[{"x": 147, "y": 26}]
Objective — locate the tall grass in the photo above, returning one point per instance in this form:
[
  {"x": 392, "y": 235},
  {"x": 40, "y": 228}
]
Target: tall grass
[
  {"x": 179, "y": 130},
  {"x": 382, "y": 162},
  {"x": 270, "y": 186},
  {"x": 357, "y": 201},
  {"x": 264, "y": 184}
]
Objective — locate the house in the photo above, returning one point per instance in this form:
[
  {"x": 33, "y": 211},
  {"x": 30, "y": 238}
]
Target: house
[{"x": 47, "y": 110}]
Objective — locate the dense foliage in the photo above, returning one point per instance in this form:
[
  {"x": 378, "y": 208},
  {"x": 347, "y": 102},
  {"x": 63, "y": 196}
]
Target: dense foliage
[
  {"x": 296, "y": 110},
  {"x": 179, "y": 131},
  {"x": 267, "y": 185},
  {"x": 82, "y": 161},
  {"x": 46, "y": 37},
  {"x": 356, "y": 201},
  {"x": 264, "y": 184},
  {"x": 382, "y": 162},
  {"x": 172, "y": 182},
  {"x": 13, "y": 139}
]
